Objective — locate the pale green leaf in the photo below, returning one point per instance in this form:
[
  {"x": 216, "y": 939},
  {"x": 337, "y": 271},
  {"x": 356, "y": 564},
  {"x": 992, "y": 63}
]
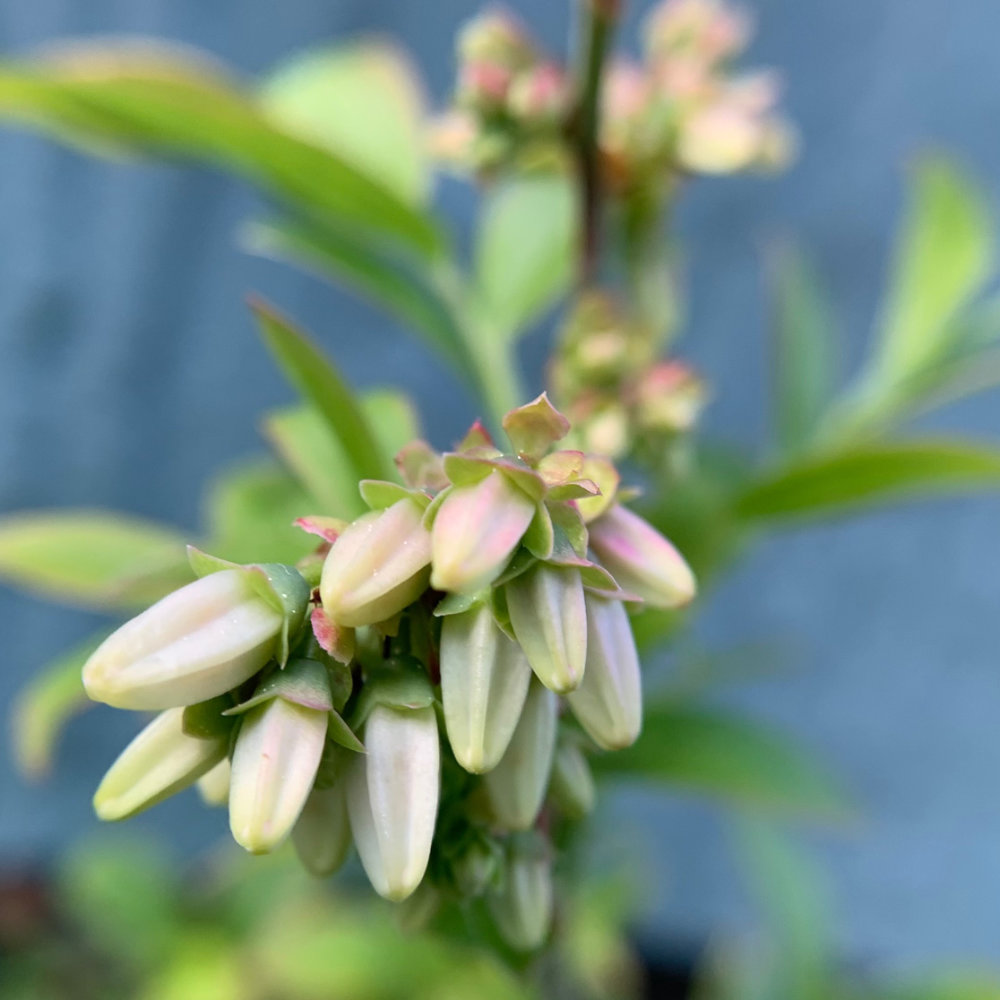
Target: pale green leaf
[
  {"x": 141, "y": 97},
  {"x": 321, "y": 385},
  {"x": 93, "y": 558},
  {"x": 364, "y": 102},
  {"x": 804, "y": 353},
  {"x": 870, "y": 474},
  {"x": 728, "y": 757},
  {"x": 44, "y": 706},
  {"x": 524, "y": 251},
  {"x": 944, "y": 256}
]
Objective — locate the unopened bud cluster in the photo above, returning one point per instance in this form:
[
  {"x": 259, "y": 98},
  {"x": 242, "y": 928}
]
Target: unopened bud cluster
[
  {"x": 615, "y": 393},
  {"x": 684, "y": 107},
  {"x": 429, "y": 693},
  {"x": 511, "y": 100}
]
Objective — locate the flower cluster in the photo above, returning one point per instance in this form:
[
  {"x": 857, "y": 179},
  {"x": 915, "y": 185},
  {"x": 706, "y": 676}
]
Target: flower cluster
[
  {"x": 616, "y": 394},
  {"x": 684, "y": 108},
  {"x": 403, "y": 689},
  {"x": 510, "y": 99}
]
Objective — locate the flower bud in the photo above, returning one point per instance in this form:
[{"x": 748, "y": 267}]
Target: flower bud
[
  {"x": 322, "y": 836},
  {"x": 572, "y": 784},
  {"x": 277, "y": 753},
  {"x": 198, "y": 642},
  {"x": 476, "y": 530},
  {"x": 516, "y": 786},
  {"x": 484, "y": 681},
  {"x": 549, "y": 620},
  {"x": 522, "y": 909},
  {"x": 608, "y": 703},
  {"x": 377, "y": 566},
  {"x": 475, "y": 869},
  {"x": 161, "y": 760},
  {"x": 214, "y": 786},
  {"x": 392, "y": 797},
  {"x": 640, "y": 559}
]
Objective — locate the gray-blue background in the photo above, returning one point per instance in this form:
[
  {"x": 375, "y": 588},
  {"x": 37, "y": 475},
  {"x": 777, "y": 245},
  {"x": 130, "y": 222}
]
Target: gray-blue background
[{"x": 129, "y": 372}]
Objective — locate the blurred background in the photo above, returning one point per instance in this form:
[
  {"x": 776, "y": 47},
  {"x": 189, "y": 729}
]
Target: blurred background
[{"x": 129, "y": 371}]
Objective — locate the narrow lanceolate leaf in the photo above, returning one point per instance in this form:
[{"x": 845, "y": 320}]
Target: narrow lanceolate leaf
[
  {"x": 524, "y": 252},
  {"x": 722, "y": 755},
  {"x": 944, "y": 256},
  {"x": 45, "y": 705},
  {"x": 804, "y": 355},
  {"x": 96, "y": 559},
  {"x": 404, "y": 288},
  {"x": 323, "y": 386},
  {"x": 134, "y": 97},
  {"x": 870, "y": 475}
]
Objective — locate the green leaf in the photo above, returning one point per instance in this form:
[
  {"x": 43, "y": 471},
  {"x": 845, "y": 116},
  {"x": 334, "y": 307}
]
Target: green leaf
[
  {"x": 722, "y": 755},
  {"x": 135, "y": 97},
  {"x": 321, "y": 385},
  {"x": 393, "y": 418},
  {"x": 251, "y": 512},
  {"x": 524, "y": 252},
  {"x": 792, "y": 892},
  {"x": 364, "y": 102},
  {"x": 405, "y": 289},
  {"x": 944, "y": 255},
  {"x": 870, "y": 474},
  {"x": 804, "y": 356},
  {"x": 96, "y": 559},
  {"x": 46, "y": 704}
]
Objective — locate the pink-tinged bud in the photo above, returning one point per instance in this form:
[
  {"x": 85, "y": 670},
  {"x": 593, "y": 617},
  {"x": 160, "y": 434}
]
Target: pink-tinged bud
[
  {"x": 719, "y": 139},
  {"x": 322, "y": 835},
  {"x": 475, "y": 532},
  {"x": 161, "y": 760},
  {"x": 498, "y": 37},
  {"x": 277, "y": 753},
  {"x": 641, "y": 559},
  {"x": 608, "y": 703},
  {"x": 377, "y": 566},
  {"x": 709, "y": 29},
  {"x": 539, "y": 95},
  {"x": 392, "y": 798},
  {"x": 522, "y": 909},
  {"x": 194, "y": 644},
  {"x": 214, "y": 786},
  {"x": 516, "y": 786},
  {"x": 670, "y": 397},
  {"x": 484, "y": 681},
  {"x": 549, "y": 619}
]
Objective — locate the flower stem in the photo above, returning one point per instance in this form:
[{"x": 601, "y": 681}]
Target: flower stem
[{"x": 600, "y": 17}]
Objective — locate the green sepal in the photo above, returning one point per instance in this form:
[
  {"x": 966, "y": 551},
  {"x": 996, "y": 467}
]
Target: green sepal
[
  {"x": 379, "y": 494},
  {"x": 535, "y": 427},
  {"x": 456, "y": 604},
  {"x": 207, "y": 720},
  {"x": 342, "y": 734},
  {"x": 338, "y": 674},
  {"x": 401, "y": 683},
  {"x": 501, "y": 613},
  {"x": 204, "y": 564},
  {"x": 599, "y": 581},
  {"x": 478, "y": 439},
  {"x": 523, "y": 561},
  {"x": 288, "y": 592},
  {"x": 580, "y": 489},
  {"x": 303, "y": 682},
  {"x": 539, "y": 538},
  {"x": 430, "y": 514},
  {"x": 569, "y": 525},
  {"x": 467, "y": 470},
  {"x": 283, "y": 587}
]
